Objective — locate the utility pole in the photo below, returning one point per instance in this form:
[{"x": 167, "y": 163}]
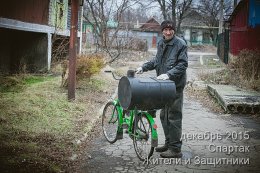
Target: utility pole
[
  {"x": 73, "y": 49},
  {"x": 221, "y": 17}
]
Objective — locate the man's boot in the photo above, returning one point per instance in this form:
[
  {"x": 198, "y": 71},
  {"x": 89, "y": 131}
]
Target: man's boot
[
  {"x": 171, "y": 154},
  {"x": 162, "y": 148}
]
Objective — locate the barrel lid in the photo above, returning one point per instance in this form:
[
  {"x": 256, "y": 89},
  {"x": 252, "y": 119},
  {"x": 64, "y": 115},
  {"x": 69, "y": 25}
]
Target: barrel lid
[{"x": 124, "y": 92}]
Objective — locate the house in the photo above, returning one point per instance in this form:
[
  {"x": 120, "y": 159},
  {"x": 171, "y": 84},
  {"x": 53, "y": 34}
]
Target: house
[
  {"x": 245, "y": 26},
  {"x": 149, "y": 31},
  {"x": 140, "y": 37},
  {"x": 143, "y": 36},
  {"x": 195, "y": 32},
  {"x": 28, "y": 30},
  {"x": 89, "y": 37}
]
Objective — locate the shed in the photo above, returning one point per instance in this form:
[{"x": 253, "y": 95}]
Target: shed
[{"x": 29, "y": 32}]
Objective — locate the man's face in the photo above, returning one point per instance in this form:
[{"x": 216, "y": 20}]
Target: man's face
[{"x": 168, "y": 33}]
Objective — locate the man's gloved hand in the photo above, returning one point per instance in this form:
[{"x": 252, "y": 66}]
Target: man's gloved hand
[
  {"x": 139, "y": 70},
  {"x": 163, "y": 77}
]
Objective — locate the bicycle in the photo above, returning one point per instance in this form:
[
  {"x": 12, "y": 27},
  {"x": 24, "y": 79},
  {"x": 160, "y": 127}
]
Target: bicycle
[{"x": 139, "y": 125}]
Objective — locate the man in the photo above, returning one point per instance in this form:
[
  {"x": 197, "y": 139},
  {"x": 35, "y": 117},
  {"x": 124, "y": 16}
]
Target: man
[{"x": 170, "y": 62}]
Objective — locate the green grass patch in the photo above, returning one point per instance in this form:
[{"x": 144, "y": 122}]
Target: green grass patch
[
  {"x": 17, "y": 83},
  {"x": 42, "y": 107},
  {"x": 30, "y": 79},
  {"x": 37, "y": 121}
]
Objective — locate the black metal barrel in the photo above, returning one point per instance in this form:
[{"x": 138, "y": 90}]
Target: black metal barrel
[{"x": 145, "y": 93}]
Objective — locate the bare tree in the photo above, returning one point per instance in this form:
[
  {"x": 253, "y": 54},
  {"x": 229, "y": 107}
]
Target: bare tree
[
  {"x": 175, "y": 10},
  {"x": 164, "y": 7},
  {"x": 98, "y": 13},
  {"x": 132, "y": 16},
  {"x": 184, "y": 8},
  {"x": 210, "y": 10}
]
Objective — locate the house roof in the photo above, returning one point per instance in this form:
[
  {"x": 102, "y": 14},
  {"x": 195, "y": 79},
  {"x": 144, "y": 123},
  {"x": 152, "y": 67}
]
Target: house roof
[
  {"x": 151, "y": 25},
  {"x": 236, "y": 10}
]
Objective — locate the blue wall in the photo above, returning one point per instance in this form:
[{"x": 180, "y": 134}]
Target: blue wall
[{"x": 254, "y": 13}]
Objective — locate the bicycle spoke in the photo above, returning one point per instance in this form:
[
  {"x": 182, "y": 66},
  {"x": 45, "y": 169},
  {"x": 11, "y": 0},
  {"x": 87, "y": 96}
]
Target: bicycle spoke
[
  {"x": 110, "y": 122},
  {"x": 143, "y": 137},
  {"x": 114, "y": 116}
]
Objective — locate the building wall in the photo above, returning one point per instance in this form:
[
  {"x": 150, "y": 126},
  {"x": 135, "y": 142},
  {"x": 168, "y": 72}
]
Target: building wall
[
  {"x": 242, "y": 35},
  {"x": 254, "y": 13},
  {"x": 33, "y": 11},
  {"x": 151, "y": 38},
  {"x": 26, "y": 29},
  {"x": 58, "y": 14},
  {"x": 87, "y": 35},
  {"x": 24, "y": 35},
  {"x": 197, "y": 36},
  {"x": 21, "y": 50}
]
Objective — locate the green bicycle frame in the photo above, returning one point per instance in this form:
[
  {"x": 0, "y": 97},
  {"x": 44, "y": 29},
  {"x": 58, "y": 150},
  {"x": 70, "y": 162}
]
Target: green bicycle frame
[
  {"x": 154, "y": 131},
  {"x": 129, "y": 122}
]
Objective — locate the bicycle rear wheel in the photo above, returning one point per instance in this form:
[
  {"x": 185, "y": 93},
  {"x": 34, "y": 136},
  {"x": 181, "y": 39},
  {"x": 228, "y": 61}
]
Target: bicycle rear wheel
[
  {"x": 142, "y": 137},
  {"x": 110, "y": 122}
]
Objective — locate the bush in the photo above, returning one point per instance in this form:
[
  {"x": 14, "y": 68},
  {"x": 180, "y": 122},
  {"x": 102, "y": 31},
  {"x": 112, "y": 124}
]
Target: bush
[
  {"x": 247, "y": 66},
  {"x": 137, "y": 44},
  {"x": 86, "y": 66},
  {"x": 243, "y": 71}
]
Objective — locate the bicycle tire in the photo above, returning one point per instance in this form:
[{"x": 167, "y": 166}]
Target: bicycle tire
[
  {"x": 142, "y": 137},
  {"x": 110, "y": 122}
]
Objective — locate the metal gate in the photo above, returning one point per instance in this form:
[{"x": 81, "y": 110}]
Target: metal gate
[{"x": 223, "y": 46}]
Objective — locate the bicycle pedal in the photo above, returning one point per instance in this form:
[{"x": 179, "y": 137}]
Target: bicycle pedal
[{"x": 125, "y": 126}]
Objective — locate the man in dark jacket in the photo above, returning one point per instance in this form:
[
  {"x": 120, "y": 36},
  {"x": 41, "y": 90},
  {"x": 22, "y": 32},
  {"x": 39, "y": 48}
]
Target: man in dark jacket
[{"x": 170, "y": 62}]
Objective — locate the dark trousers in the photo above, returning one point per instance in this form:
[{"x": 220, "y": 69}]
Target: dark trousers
[{"x": 171, "y": 119}]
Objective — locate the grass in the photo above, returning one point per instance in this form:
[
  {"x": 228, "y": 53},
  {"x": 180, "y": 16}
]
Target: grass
[
  {"x": 16, "y": 83},
  {"x": 38, "y": 108},
  {"x": 38, "y": 124},
  {"x": 212, "y": 61}
]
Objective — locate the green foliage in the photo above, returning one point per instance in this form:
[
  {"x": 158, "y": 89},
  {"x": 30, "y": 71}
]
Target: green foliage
[{"x": 33, "y": 79}]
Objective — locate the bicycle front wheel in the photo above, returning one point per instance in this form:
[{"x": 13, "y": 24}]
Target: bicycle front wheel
[
  {"x": 110, "y": 122},
  {"x": 142, "y": 137}
]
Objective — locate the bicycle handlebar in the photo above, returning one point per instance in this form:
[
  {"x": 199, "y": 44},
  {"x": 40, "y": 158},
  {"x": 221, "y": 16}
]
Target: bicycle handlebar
[
  {"x": 114, "y": 76},
  {"x": 109, "y": 71}
]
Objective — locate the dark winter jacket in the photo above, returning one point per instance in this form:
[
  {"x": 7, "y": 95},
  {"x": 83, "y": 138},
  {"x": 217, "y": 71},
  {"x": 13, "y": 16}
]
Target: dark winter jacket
[{"x": 171, "y": 58}]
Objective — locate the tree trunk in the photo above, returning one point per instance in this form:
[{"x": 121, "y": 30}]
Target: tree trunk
[{"x": 174, "y": 12}]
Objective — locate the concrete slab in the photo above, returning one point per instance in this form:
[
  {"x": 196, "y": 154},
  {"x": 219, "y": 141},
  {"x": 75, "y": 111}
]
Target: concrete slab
[
  {"x": 236, "y": 100},
  {"x": 202, "y": 53}
]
